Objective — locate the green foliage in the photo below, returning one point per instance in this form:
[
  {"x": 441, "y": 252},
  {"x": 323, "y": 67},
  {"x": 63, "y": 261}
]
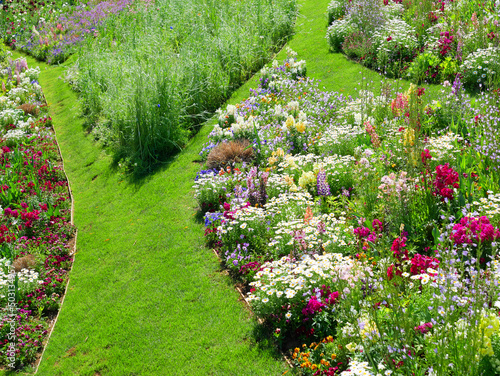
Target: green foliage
[
  {"x": 156, "y": 81},
  {"x": 425, "y": 68}
]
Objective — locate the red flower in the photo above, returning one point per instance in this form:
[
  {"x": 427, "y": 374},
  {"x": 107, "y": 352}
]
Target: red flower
[{"x": 390, "y": 272}]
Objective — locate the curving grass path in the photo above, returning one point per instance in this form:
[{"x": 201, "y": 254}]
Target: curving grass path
[{"x": 145, "y": 296}]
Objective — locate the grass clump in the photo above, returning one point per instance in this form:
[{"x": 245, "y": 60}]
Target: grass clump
[
  {"x": 228, "y": 153},
  {"x": 155, "y": 73}
]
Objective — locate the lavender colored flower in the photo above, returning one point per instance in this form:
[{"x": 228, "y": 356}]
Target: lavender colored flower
[{"x": 322, "y": 184}]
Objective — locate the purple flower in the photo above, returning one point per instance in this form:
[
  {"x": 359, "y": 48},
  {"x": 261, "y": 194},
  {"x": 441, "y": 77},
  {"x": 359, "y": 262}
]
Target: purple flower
[{"x": 322, "y": 184}]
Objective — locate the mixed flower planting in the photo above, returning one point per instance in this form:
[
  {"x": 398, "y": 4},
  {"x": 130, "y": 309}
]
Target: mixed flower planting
[
  {"x": 421, "y": 40},
  {"x": 52, "y": 30},
  {"x": 365, "y": 230},
  {"x": 35, "y": 228}
]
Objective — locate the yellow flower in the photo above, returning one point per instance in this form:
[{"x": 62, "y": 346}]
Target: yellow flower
[
  {"x": 409, "y": 137},
  {"x": 351, "y": 346},
  {"x": 307, "y": 178},
  {"x": 290, "y": 122},
  {"x": 301, "y": 127},
  {"x": 411, "y": 89}
]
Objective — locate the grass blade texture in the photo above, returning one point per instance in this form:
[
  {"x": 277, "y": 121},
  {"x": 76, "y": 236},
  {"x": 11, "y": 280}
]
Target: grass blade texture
[{"x": 158, "y": 71}]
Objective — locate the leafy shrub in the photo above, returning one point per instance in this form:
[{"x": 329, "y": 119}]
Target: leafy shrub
[{"x": 425, "y": 68}]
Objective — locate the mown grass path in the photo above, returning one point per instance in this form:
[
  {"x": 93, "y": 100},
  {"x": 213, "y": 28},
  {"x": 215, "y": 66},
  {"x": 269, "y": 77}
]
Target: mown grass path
[{"x": 145, "y": 296}]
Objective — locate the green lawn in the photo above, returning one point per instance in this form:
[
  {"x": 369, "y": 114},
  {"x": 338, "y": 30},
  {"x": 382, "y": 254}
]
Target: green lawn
[{"x": 145, "y": 296}]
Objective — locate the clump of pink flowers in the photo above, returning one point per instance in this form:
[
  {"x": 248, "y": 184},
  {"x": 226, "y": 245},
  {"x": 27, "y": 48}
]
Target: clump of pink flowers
[
  {"x": 424, "y": 328},
  {"x": 420, "y": 264},
  {"x": 370, "y": 129},
  {"x": 445, "y": 180},
  {"x": 315, "y": 303},
  {"x": 365, "y": 235},
  {"x": 474, "y": 230},
  {"x": 399, "y": 105},
  {"x": 392, "y": 184}
]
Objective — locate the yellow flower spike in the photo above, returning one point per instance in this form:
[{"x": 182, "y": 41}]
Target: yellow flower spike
[{"x": 301, "y": 127}]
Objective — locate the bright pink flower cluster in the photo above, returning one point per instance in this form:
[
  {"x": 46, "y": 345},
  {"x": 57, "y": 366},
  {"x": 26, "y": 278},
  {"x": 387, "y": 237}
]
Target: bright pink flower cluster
[
  {"x": 400, "y": 253},
  {"x": 364, "y": 234},
  {"x": 474, "y": 230},
  {"x": 398, "y": 248},
  {"x": 314, "y": 305},
  {"x": 445, "y": 180},
  {"x": 425, "y": 156},
  {"x": 251, "y": 266},
  {"x": 420, "y": 264},
  {"x": 424, "y": 328},
  {"x": 229, "y": 214},
  {"x": 445, "y": 42}
]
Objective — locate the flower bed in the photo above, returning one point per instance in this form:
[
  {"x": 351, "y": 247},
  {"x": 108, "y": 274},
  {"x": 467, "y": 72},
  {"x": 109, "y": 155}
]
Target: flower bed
[
  {"x": 52, "y": 31},
  {"x": 423, "y": 41},
  {"x": 365, "y": 230},
  {"x": 35, "y": 229}
]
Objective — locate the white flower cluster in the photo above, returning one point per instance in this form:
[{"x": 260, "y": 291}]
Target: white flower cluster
[
  {"x": 336, "y": 10},
  {"x": 289, "y": 277},
  {"x": 358, "y": 369},
  {"x": 242, "y": 218},
  {"x": 480, "y": 65},
  {"x": 25, "y": 276},
  {"x": 321, "y": 231},
  {"x": 337, "y": 32},
  {"x": 209, "y": 187},
  {"x": 340, "y": 134},
  {"x": 490, "y": 206},
  {"x": 395, "y": 34},
  {"x": 443, "y": 148},
  {"x": 285, "y": 203}
]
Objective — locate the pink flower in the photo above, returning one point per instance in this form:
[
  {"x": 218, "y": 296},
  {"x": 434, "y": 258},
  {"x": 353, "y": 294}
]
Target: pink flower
[{"x": 313, "y": 306}]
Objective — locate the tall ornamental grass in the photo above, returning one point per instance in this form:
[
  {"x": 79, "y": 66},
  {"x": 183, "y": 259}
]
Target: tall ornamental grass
[{"x": 157, "y": 71}]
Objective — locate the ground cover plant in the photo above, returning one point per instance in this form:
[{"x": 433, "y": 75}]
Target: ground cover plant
[
  {"x": 422, "y": 41},
  {"x": 35, "y": 229},
  {"x": 151, "y": 76},
  {"x": 364, "y": 229}
]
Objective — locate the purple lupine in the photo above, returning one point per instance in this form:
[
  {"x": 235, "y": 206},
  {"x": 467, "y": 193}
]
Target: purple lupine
[{"x": 322, "y": 184}]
